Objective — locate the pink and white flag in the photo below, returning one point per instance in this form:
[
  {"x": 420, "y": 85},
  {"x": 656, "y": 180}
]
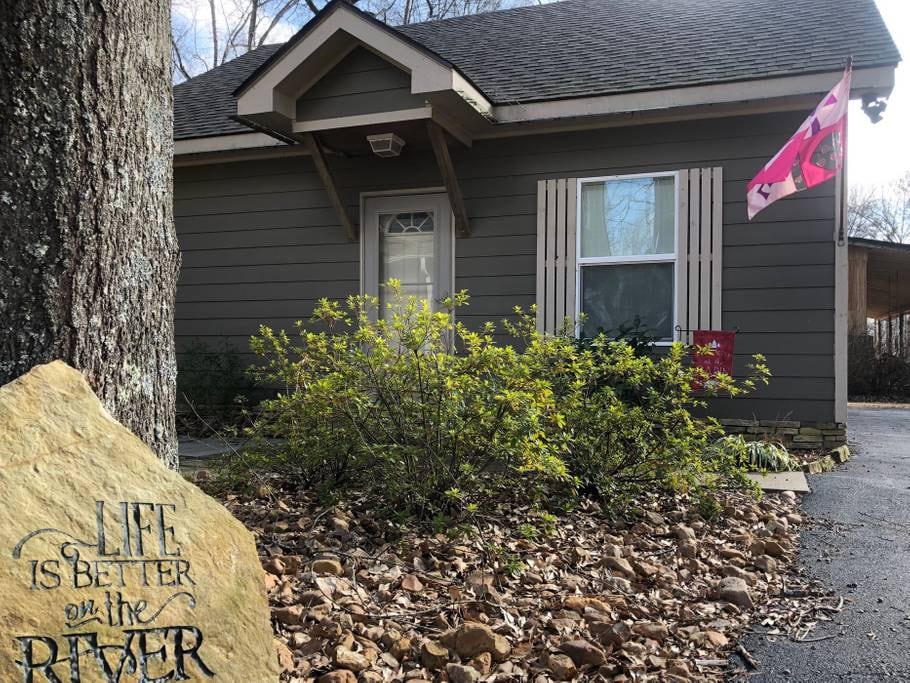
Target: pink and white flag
[{"x": 813, "y": 155}]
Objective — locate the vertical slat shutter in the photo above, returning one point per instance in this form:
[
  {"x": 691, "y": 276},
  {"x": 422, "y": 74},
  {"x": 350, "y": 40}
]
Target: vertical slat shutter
[
  {"x": 556, "y": 202},
  {"x": 700, "y": 248}
]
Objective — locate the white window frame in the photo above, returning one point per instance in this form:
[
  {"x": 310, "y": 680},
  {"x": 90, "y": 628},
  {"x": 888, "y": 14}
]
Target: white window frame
[
  {"x": 407, "y": 200},
  {"x": 613, "y": 260}
]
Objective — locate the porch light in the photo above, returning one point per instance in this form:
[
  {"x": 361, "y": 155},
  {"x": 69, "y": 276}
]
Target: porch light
[{"x": 385, "y": 144}]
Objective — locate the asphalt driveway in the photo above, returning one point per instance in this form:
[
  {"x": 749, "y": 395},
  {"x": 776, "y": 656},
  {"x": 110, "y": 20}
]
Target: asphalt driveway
[{"x": 859, "y": 546}]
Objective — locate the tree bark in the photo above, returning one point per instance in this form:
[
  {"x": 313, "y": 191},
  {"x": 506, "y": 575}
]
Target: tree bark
[{"x": 88, "y": 251}]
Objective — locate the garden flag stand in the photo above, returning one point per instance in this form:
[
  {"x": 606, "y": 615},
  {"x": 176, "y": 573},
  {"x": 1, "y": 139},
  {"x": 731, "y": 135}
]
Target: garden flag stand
[
  {"x": 713, "y": 353},
  {"x": 814, "y": 154}
]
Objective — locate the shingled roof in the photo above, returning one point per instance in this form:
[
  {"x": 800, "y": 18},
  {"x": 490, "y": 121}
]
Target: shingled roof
[{"x": 582, "y": 48}]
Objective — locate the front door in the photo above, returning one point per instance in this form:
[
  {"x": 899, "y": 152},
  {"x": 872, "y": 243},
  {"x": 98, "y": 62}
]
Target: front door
[{"x": 408, "y": 238}]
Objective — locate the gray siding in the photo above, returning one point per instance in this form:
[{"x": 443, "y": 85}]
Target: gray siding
[
  {"x": 261, "y": 242},
  {"x": 361, "y": 83}
]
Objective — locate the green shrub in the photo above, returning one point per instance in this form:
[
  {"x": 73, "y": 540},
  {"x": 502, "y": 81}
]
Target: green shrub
[
  {"x": 431, "y": 418},
  {"x": 760, "y": 455},
  {"x": 383, "y": 401},
  {"x": 628, "y": 416}
]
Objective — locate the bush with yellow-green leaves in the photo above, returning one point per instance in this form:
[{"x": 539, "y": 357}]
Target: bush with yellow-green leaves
[{"x": 404, "y": 404}]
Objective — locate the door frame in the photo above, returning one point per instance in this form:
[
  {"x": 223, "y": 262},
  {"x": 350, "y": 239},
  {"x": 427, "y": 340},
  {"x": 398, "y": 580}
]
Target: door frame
[{"x": 416, "y": 199}]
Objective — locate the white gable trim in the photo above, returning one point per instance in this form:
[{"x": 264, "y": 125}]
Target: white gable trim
[
  {"x": 880, "y": 80},
  {"x": 274, "y": 90}
]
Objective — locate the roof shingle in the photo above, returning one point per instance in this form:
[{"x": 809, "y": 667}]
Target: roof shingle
[{"x": 582, "y": 48}]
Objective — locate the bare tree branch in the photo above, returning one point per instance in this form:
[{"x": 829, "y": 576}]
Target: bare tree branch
[
  {"x": 881, "y": 213},
  {"x": 214, "y": 35},
  {"x": 177, "y": 59}
]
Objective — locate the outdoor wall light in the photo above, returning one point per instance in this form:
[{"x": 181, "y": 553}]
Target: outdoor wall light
[{"x": 385, "y": 144}]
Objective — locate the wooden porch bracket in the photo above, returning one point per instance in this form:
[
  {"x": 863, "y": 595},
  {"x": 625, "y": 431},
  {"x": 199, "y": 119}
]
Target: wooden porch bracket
[
  {"x": 328, "y": 180},
  {"x": 449, "y": 179}
]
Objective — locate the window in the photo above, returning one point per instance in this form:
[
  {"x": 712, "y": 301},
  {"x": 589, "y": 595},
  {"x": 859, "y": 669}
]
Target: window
[
  {"x": 627, "y": 254},
  {"x": 408, "y": 238}
]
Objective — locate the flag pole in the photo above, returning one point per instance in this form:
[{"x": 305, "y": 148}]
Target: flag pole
[{"x": 842, "y": 174}]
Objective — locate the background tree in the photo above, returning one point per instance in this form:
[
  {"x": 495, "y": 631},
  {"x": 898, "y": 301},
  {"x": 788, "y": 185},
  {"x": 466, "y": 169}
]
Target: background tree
[
  {"x": 88, "y": 252},
  {"x": 881, "y": 213},
  {"x": 207, "y": 33}
]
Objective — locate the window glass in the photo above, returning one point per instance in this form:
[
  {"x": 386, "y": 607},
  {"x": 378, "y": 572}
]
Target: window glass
[
  {"x": 617, "y": 295},
  {"x": 406, "y": 253},
  {"x": 628, "y": 217}
]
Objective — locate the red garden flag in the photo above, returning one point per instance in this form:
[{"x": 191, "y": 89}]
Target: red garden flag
[
  {"x": 813, "y": 155},
  {"x": 720, "y": 357}
]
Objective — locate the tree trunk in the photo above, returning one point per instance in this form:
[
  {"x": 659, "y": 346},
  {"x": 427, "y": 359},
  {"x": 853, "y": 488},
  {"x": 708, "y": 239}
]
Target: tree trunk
[{"x": 88, "y": 252}]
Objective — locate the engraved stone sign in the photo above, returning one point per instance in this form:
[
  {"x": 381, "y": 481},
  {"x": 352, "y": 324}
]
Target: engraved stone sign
[{"x": 114, "y": 569}]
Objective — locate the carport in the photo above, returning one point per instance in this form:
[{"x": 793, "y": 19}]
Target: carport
[{"x": 880, "y": 293}]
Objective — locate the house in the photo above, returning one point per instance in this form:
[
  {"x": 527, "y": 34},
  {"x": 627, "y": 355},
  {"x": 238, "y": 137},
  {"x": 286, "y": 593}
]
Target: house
[{"x": 585, "y": 155}]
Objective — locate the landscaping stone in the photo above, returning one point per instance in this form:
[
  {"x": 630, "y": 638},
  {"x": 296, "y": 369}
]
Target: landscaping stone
[
  {"x": 331, "y": 567},
  {"x": 562, "y": 666},
  {"x": 734, "y": 589},
  {"x": 338, "y": 676},
  {"x": 583, "y": 653},
  {"x": 474, "y": 638},
  {"x": 458, "y": 673},
  {"x": 841, "y": 454},
  {"x": 105, "y": 550},
  {"x": 433, "y": 655}
]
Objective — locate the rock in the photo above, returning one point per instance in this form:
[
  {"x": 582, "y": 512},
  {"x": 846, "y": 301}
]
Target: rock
[
  {"x": 473, "y": 638},
  {"x": 401, "y": 649},
  {"x": 576, "y": 603},
  {"x": 483, "y": 662},
  {"x": 766, "y": 564},
  {"x": 411, "y": 583},
  {"x": 562, "y": 666},
  {"x": 734, "y": 589},
  {"x": 289, "y": 616},
  {"x": 77, "y": 484},
  {"x": 688, "y": 550},
  {"x": 684, "y": 533},
  {"x": 584, "y": 653},
  {"x": 338, "y": 676},
  {"x": 717, "y": 639},
  {"x": 612, "y": 634},
  {"x": 458, "y": 673},
  {"x": 655, "y": 518},
  {"x": 774, "y": 549},
  {"x": 348, "y": 659},
  {"x": 275, "y": 566},
  {"x": 652, "y": 630},
  {"x": 325, "y": 566},
  {"x": 611, "y": 550},
  {"x": 433, "y": 655},
  {"x": 285, "y": 656},
  {"x": 619, "y": 564}
]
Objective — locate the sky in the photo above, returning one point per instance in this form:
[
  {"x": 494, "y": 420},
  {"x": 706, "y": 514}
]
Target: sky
[{"x": 880, "y": 153}]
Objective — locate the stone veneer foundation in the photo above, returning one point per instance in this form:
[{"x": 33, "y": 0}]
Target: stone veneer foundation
[{"x": 807, "y": 436}]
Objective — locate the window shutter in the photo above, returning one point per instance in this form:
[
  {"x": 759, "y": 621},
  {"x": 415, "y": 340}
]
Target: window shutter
[
  {"x": 700, "y": 247},
  {"x": 556, "y": 205}
]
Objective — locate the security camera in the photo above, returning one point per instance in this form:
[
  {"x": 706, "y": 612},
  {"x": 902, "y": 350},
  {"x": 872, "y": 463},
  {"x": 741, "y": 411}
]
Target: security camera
[{"x": 874, "y": 107}]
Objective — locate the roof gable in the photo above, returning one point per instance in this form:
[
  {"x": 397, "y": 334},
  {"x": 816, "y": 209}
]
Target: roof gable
[
  {"x": 267, "y": 98},
  {"x": 361, "y": 83}
]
